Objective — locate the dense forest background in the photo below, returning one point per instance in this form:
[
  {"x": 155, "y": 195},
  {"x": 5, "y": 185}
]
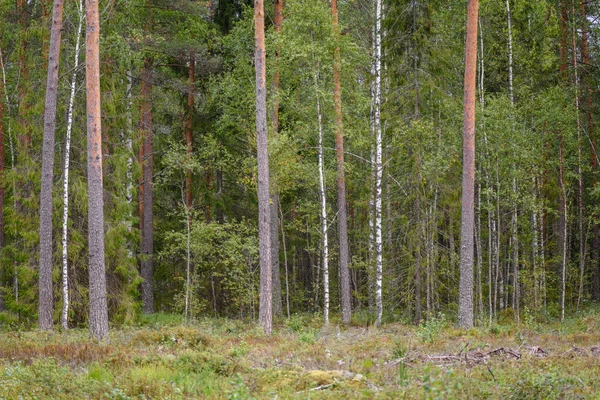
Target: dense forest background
[{"x": 179, "y": 157}]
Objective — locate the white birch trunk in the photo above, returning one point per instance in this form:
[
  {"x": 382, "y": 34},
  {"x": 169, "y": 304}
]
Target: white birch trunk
[
  {"x": 65, "y": 224},
  {"x": 379, "y": 168},
  {"x": 322, "y": 195},
  {"x": 510, "y": 54},
  {"x": 534, "y": 244},
  {"x": 14, "y": 179}
]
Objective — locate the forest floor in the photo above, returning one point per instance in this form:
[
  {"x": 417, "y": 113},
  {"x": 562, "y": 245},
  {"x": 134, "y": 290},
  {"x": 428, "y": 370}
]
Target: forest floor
[{"x": 220, "y": 358}]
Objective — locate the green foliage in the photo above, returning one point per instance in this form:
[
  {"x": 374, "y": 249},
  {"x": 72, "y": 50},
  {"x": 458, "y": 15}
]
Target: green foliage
[{"x": 429, "y": 330}]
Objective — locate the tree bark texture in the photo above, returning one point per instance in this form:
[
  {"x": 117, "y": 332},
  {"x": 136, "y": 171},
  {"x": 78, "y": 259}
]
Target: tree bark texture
[
  {"x": 465, "y": 301},
  {"x": 97, "y": 274},
  {"x": 262, "y": 145},
  {"x": 276, "y": 272},
  {"x": 65, "y": 224},
  {"x": 379, "y": 169},
  {"x": 341, "y": 180},
  {"x": 189, "y": 130},
  {"x": 147, "y": 165},
  {"x": 45, "y": 272}
]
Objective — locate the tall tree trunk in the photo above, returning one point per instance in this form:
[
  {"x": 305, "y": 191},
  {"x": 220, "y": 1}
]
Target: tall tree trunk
[
  {"x": 562, "y": 236},
  {"x": 465, "y": 301},
  {"x": 379, "y": 168},
  {"x": 147, "y": 249},
  {"x": 2, "y": 183},
  {"x": 580, "y": 183},
  {"x": 97, "y": 279},
  {"x": 276, "y": 279},
  {"x": 341, "y": 180},
  {"x": 65, "y": 224},
  {"x": 262, "y": 145},
  {"x": 45, "y": 272},
  {"x": 323, "y": 197},
  {"x": 189, "y": 130}
]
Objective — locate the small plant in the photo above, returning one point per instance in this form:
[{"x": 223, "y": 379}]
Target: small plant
[
  {"x": 295, "y": 323},
  {"x": 430, "y": 329},
  {"x": 240, "y": 390},
  {"x": 399, "y": 350}
]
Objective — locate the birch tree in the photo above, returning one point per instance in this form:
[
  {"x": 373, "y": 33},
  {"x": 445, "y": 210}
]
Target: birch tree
[{"x": 65, "y": 223}]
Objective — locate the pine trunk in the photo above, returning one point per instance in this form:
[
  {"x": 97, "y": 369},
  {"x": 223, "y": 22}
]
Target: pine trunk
[
  {"x": 147, "y": 248},
  {"x": 465, "y": 301},
  {"x": 45, "y": 272},
  {"x": 97, "y": 278},
  {"x": 341, "y": 180},
  {"x": 262, "y": 145}
]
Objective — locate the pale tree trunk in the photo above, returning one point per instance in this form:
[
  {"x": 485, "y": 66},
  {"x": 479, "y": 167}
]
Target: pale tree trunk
[
  {"x": 97, "y": 278},
  {"x": 515, "y": 241},
  {"x": 563, "y": 227},
  {"x": 2, "y": 182},
  {"x": 129, "y": 145},
  {"x": 189, "y": 131},
  {"x": 585, "y": 54},
  {"x": 65, "y": 223},
  {"x": 580, "y": 183},
  {"x": 479, "y": 255},
  {"x": 147, "y": 248},
  {"x": 510, "y": 54},
  {"x": 285, "y": 264},
  {"x": 322, "y": 195},
  {"x": 12, "y": 146},
  {"x": 379, "y": 168},
  {"x": 276, "y": 278},
  {"x": 262, "y": 144},
  {"x": 45, "y": 272},
  {"x": 341, "y": 180},
  {"x": 534, "y": 243},
  {"x": 465, "y": 301}
]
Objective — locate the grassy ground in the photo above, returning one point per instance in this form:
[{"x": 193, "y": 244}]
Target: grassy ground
[{"x": 162, "y": 359}]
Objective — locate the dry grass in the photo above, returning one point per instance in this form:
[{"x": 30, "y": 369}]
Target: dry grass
[{"x": 232, "y": 359}]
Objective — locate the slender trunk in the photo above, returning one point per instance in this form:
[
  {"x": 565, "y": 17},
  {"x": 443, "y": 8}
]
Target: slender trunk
[
  {"x": 2, "y": 183},
  {"x": 189, "y": 130},
  {"x": 465, "y": 304},
  {"x": 479, "y": 255},
  {"x": 285, "y": 264},
  {"x": 262, "y": 143},
  {"x": 562, "y": 226},
  {"x": 129, "y": 145},
  {"x": 65, "y": 223},
  {"x": 188, "y": 275},
  {"x": 97, "y": 279},
  {"x": 580, "y": 183},
  {"x": 147, "y": 249},
  {"x": 418, "y": 262},
  {"x": 322, "y": 195},
  {"x": 276, "y": 278},
  {"x": 341, "y": 182},
  {"x": 45, "y": 272},
  {"x": 379, "y": 168},
  {"x": 12, "y": 146},
  {"x": 534, "y": 244},
  {"x": 510, "y": 53},
  {"x": 589, "y": 89},
  {"x": 515, "y": 241}
]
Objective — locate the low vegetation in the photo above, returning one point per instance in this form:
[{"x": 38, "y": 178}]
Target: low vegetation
[{"x": 218, "y": 358}]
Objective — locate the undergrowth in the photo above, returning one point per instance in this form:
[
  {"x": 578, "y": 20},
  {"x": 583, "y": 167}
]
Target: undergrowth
[{"x": 230, "y": 359}]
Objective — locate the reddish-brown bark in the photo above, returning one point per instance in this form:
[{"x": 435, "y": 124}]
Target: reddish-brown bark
[
  {"x": 97, "y": 273},
  {"x": 465, "y": 302}
]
